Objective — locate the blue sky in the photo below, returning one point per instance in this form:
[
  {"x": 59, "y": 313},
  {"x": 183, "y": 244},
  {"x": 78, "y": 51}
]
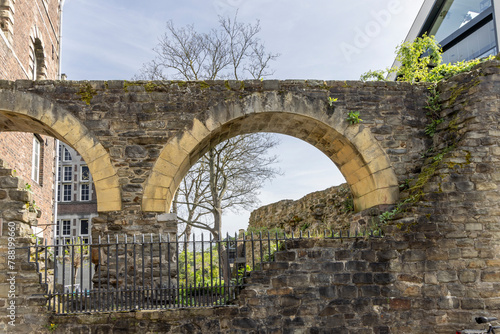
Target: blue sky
[{"x": 317, "y": 39}]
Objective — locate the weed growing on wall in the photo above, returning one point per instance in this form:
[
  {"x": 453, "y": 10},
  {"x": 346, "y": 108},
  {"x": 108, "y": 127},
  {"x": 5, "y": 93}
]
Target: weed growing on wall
[{"x": 353, "y": 117}]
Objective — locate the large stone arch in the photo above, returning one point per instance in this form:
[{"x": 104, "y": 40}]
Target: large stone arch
[
  {"x": 352, "y": 148},
  {"x": 26, "y": 112}
]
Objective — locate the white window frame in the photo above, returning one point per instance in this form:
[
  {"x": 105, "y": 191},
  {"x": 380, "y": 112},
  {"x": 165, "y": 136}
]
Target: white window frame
[
  {"x": 70, "y": 174},
  {"x": 66, "y": 227},
  {"x": 35, "y": 163},
  {"x": 82, "y": 187},
  {"x": 65, "y": 196},
  {"x": 67, "y": 155}
]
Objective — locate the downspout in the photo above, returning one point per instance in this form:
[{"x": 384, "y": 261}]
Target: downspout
[
  {"x": 56, "y": 188},
  {"x": 61, "y": 4}
]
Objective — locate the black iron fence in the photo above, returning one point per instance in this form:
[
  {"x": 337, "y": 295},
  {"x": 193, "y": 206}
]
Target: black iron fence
[{"x": 124, "y": 273}]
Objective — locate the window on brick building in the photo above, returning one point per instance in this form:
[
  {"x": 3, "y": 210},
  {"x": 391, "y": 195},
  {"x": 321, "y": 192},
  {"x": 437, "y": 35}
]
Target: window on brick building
[
  {"x": 84, "y": 173},
  {"x": 66, "y": 227},
  {"x": 67, "y": 174},
  {"x": 66, "y": 196},
  {"x": 35, "y": 163},
  {"x": 84, "y": 227},
  {"x": 84, "y": 192},
  {"x": 67, "y": 155}
]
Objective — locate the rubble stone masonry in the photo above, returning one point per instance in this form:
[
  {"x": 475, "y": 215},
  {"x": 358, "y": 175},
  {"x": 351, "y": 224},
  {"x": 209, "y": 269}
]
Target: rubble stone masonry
[{"x": 437, "y": 266}]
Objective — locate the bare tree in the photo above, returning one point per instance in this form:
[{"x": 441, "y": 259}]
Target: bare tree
[
  {"x": 233, "y": 51},
  {"x": 230, "y": 174},
  {"x": 227, "y": 177}
]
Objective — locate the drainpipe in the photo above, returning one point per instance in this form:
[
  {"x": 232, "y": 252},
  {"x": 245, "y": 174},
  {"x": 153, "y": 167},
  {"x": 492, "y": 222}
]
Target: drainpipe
[
  {"x": 56, "y": 188},
  {"x": 61, "y": 4}
]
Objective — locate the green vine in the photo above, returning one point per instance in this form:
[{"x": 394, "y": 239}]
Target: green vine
[
  {"x": 421, "y": 62},
  {"x": 433, "y": 110}
]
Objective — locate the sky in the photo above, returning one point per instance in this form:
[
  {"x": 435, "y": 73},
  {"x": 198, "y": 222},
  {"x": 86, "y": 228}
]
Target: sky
[{"x": 316, "y": 39}]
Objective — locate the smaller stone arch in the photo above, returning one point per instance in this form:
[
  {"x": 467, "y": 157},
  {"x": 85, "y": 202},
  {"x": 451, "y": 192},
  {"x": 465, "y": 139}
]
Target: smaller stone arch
[
  {"x": 356, "y": 153},
  {"x": 21, "y": 111},
  {"x": 38, "y": 67}
]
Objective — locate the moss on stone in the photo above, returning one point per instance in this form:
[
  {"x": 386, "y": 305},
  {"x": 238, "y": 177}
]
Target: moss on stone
[
  {"x": 150, "y": 86},
  {"x": 87, "y": 92},
  {"x": 204, "y": 85},
  {"x": 455, "y": 92}
]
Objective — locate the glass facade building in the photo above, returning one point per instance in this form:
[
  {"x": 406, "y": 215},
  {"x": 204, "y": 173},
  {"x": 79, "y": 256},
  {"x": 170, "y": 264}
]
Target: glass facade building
[{"x": 465, "y": 29}]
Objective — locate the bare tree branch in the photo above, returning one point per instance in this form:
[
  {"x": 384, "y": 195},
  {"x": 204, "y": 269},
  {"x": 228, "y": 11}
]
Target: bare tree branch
[{"x": 229, "y": 175}]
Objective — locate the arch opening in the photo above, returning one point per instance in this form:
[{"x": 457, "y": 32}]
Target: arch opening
[
  {"x": 24, "y": 112},
  {"x": 364, "y": 165}
]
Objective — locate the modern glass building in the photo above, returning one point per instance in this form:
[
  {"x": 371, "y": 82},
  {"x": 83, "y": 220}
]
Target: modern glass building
[{"x": 466, "y": 29}]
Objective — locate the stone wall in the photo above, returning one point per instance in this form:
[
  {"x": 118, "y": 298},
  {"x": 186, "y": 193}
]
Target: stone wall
[
  {"x": 317, "y": 286},
  {"x": 22, "y": 304},
  {"x": 329, "y": 209},
  {"x": 140, "y": 138},
  {"x": 437, "y": 267}
]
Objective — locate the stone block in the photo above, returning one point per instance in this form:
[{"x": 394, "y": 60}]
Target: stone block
[
  {"x": 362, "y": 278},
  {"x": 400, "y": 304},
  {"x": 472, "y": 304},
  {"x": 356, "y": 265},
  {"x": 333, "y": 266},
  {"x": 490, "y": 276},
  {"x": 347, "y": 292}
]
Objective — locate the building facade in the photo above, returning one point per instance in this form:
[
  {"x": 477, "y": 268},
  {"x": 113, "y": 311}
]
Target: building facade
[
  {"x": 30, "y": 49},
  {"x": 465, "y": 29},
  {"x": 76, "y": 197}
]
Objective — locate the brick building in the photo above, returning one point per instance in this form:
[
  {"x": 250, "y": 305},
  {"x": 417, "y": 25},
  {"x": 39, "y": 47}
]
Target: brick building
[
  {"x": 30, "y": 49},
  {"x": 76, "y": 198}
]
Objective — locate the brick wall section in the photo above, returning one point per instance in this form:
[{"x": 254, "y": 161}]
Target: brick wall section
[
  {"x": 23, "y": 21},
  {"x": 35, "y": 18},
  {"x": 16, "y": 152}
]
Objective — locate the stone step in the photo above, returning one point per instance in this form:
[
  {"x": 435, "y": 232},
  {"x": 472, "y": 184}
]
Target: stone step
[{"x": 11, "y": 182}]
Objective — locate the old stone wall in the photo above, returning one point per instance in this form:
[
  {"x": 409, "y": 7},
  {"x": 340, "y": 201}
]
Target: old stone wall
[
  {"x": 330, "y": 209},
  {"x": 437, "y": 266},
  {"x": 316, "y": 286},
  {"x": 139, "y": 138},
  {"x": 22, "y": 304}
]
